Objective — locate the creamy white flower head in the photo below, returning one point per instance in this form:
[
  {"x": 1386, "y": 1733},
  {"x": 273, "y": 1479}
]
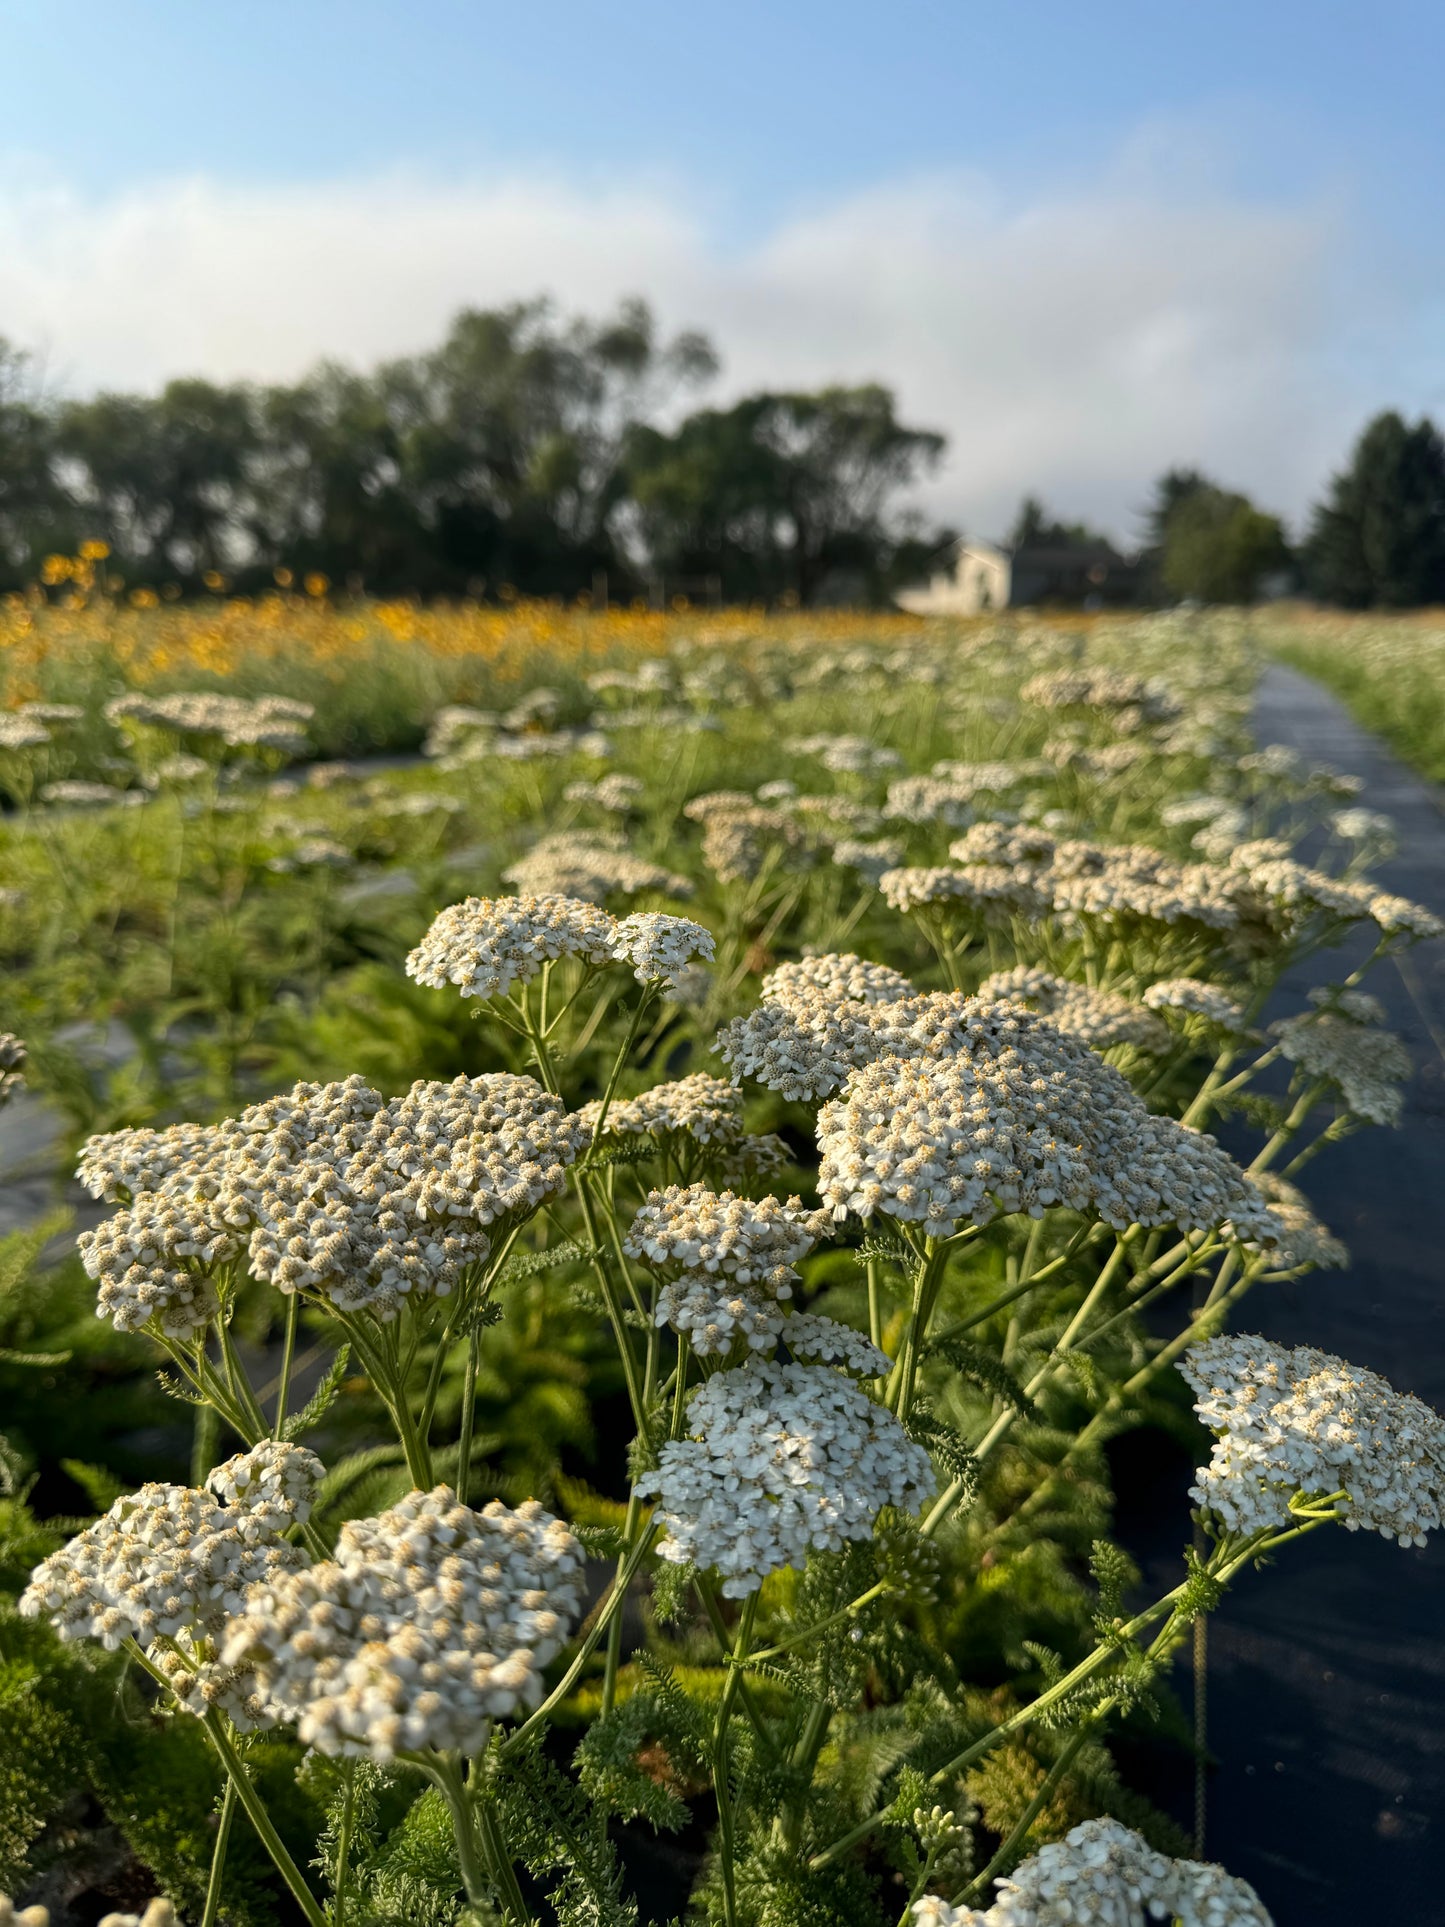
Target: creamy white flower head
[
  {"x": 616, "y": 793},
  {"x": 738, "y": 843},
  {"x": 853, "y": 755},
  {"x": 1012, "y": 1115},
  {"x": 1100, "y": 689},
  {"x": 1358, "y": 1005},
  {"x": 1398, "y": 916},
  {"x": 1099, "y": 1017},
  {"x": 154, "y": 1261},
  {"x": 589, "y": 869},
  {"x": 1366, "y": 1065},
  {"x": 1005, "y": 844},
  {"x": 431, "y": 1622},
  {"x": 802, "y": 1046},
  {"x": 706, "y": 1108},
  {"x": 1102, "y": 1874},
  {"x": 714, "y": 1313},
  {"x": 485, "y": 945},
  {"x": 157, "y": 1913},
  {"x": 816, "y": 1340},
  {"x": 75, "y": 793},
  {"x": 658, "y": 947},
  {"x": 18, "y": 731},
  {"x": 275, "y": 1484},
  {"x": 984, "y": 887},
  {"x": 749, "y": 1241},
  {"x": 479, "y": 1148},
  {"x": 172, "y": 1563},
  {"x": 1304, "y": 1421},
  {"x": 871, "y": 859},
  {"x": 1363, "y": 826},
  {"x": 1193, "y": 997},
  {"x": 780, "y": 1460},
  {"x": 840, "y": 977},
  {"x": 929, "y": 799}
]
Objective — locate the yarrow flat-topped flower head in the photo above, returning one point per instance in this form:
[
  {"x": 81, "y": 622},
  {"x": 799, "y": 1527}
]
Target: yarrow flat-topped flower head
[
  {"x": 170, "y": 1564},
  {"x": 431, "y": 1621},
  {"x": 1006, "y": 1114},
  {"x": 659, "y": 947},
  {"x": 1303, "y": 1421},
  {"x": 485, "y": 945},
  {"x": 780, "y": 1460}
]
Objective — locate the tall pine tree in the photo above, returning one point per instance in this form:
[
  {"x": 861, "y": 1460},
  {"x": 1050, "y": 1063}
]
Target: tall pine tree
[{"x": 1378, "y": 540}]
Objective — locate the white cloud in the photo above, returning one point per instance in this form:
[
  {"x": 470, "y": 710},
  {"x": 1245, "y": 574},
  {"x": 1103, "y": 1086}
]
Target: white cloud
[{"x": 1075, "y": 344}]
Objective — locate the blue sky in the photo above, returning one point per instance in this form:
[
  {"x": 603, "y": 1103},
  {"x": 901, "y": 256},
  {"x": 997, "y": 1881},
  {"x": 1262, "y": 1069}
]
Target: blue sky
[{"x": 1242, "y": 204}]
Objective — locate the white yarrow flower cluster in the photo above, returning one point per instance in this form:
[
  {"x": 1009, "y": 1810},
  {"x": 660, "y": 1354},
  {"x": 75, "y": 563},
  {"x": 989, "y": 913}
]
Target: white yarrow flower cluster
[
  {"x": 171, "y": 1563},
  {"x": 1103, "y": 1874},
  {"x": 659, "y": 947},
  {"x": 1008, "y": 1114},
  {"x": 485, "y": 945},
  {"x": 1367, "y": 1066},
  {"x": 780, "y": 1460},
  {"x": 840, "y": 977},
  {"x": 1099, "y": 1017},
  {"x": 706, "y": 1108},
  {"x": 1303, "y": 1421},
  {"x": 153, "y": 1261},
  {"x": 431, "y": 1622},
  {"x": 1196, "y": 998}
]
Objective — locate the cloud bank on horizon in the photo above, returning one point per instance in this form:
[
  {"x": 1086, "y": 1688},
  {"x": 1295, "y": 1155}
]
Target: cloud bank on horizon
[{"x": 1074, "y": 343}]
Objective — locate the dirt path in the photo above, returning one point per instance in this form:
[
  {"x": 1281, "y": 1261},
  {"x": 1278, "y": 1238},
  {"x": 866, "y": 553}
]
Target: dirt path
[{"x": 1327, "y": 1674}]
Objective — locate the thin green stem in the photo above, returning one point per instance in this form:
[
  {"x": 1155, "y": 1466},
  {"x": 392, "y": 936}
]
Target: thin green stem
[
  {"x": 261, "y": 1820},
  {"x": 288, "y": 1355},
  {"x": 218, "y": 1857}
]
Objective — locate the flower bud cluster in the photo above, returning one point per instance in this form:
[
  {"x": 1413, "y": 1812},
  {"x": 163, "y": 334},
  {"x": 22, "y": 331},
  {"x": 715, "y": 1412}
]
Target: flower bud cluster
[
  {"x": 737, "y": 843},
  {"x": 748, "y": 1241},
  {"x": 840, "y": 977},
  {"x": 780, "y": 1460},
  {"x": 337, "y": 1191},
  {"x": 12, "y": 1066},
  {"x": 152, "y": 1261},
  {"x": 431, "y": 1621},
  {"x": 1102, "y": 1874},
  {"x": 1303, "y": 1421},
  {"x": 589, "y": 869},
  {"x": 1303, "y": 1240}
]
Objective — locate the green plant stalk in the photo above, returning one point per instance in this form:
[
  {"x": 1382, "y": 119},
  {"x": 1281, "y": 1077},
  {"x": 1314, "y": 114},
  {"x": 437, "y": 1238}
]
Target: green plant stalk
[
  {"x": 261, "y": 1820},
  {"x": 288, "y": 1355},
  {"x": 218, "y": 1857},
  {"x": 343, "y": 1848},
  {"x": 904, "y": 1377},
  {"x": 1020, "y": 1831},
  {"x": 788, "y": 1828},
  {"x": 1228, "y": 1559},
  {"x": 722, "y": 1786}
]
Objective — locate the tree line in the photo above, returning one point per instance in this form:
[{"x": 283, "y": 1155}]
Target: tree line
[
  {"x": 528, "y": 453},
  {"x": 541, "y": 454}
]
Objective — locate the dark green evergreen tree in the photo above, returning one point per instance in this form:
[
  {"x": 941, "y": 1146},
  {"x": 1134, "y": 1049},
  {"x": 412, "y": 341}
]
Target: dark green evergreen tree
[{"x": 1378, "y": 539}]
